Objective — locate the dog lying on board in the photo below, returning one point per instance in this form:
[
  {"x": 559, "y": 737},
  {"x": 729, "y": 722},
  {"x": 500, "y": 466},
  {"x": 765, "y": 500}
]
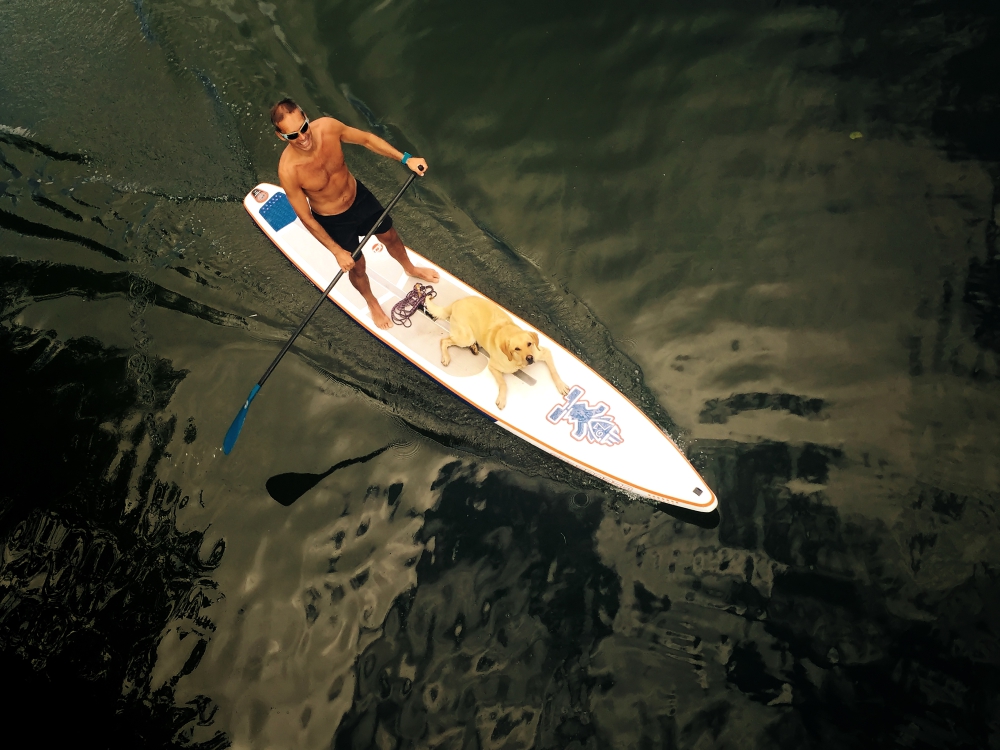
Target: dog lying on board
[{"x": 477, "y": 322}]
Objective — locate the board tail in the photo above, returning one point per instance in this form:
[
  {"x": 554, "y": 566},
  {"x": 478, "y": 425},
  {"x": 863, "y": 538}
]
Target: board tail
[{"x": 437, "y": 312}]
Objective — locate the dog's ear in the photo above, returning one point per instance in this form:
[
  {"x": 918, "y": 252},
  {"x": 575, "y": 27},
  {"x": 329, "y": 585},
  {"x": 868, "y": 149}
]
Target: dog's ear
[
  {"x": 505, "y": 348},
  {"x": 534, "y": 337}
]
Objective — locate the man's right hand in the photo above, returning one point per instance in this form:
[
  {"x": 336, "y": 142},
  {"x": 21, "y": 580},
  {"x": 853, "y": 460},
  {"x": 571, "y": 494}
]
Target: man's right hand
[
  {"x": 418, "y": 165},
  {"x": 344, "y": 259}
]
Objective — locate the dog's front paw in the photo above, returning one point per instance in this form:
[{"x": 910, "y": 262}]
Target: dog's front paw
[
  {"x": 445, "y": 359},
  {"x": 562, "y": 388},
  {"x": 501, "y": 401}
]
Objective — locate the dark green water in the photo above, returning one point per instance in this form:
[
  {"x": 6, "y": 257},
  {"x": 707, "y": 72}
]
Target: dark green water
[{"x": 671, "y": 190}]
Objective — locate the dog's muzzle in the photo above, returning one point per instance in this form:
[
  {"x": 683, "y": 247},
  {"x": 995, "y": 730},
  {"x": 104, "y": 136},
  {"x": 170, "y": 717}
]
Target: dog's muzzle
[{"x": 530, "y": 359}]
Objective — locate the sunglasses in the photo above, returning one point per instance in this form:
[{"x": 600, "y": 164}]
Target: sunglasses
[{"x": 296, "y": 134}]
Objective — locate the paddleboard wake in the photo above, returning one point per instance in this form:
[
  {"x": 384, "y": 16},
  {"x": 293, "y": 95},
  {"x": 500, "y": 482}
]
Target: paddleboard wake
[{"x": 593, "y": 427}]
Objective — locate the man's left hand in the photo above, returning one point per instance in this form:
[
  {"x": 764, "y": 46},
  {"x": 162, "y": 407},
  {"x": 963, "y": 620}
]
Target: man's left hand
[{"x": 417, "y": 164}]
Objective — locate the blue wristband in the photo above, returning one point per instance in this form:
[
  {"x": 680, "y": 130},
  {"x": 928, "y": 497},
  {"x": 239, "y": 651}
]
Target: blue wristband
[{"x": 406, "y": 157}]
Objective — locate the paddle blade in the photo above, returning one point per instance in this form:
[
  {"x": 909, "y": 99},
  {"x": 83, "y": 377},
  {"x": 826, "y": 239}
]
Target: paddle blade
[{"x": 234, "y": 429}]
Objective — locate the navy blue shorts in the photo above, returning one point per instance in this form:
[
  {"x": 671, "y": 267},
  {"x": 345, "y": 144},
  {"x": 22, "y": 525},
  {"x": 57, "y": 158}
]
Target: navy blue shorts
[{"x": 348, "y": 228}]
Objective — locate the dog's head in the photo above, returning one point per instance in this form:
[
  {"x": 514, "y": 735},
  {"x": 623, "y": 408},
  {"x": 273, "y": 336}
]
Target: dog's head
[{"x": 519, "y": 346}]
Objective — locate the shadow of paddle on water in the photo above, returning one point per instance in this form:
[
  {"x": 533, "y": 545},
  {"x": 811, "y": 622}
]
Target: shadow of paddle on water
[{"x": 289, "y": 487}]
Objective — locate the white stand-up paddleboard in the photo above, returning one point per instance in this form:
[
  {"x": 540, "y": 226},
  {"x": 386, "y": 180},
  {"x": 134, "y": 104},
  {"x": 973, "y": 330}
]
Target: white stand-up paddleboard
[{"x": 593, "y": 427}]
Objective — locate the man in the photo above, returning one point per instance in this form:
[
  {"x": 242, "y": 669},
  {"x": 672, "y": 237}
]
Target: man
[{"x": 330, "y": 201}]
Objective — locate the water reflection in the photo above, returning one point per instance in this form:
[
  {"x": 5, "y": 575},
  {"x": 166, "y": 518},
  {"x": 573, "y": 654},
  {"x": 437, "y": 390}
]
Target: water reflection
[
  {"x": 523, "y": 632},
  {"x": 495, "y": 642},
  {"x": 93, "y": 565},
  {"x": 817, "y": 311}
]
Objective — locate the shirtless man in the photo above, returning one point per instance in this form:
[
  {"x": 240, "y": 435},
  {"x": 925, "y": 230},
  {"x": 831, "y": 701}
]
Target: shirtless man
[{"x": 335, "y": 206}]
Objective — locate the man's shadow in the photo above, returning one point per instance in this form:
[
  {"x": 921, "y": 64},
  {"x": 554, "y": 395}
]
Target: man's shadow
[{"x": 289, "y": 487}]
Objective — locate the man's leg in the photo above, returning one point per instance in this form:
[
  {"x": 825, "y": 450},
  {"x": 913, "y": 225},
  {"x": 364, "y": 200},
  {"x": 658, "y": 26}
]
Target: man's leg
[
  {"x": 395, "y": 247},
  {"x": 359, "y": 278}
]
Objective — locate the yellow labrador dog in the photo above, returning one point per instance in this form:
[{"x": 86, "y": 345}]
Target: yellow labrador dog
[{"x": 476, "y": 322}]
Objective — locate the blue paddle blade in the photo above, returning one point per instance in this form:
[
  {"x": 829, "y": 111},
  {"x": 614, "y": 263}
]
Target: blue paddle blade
[{"x": 234, "y": 429}]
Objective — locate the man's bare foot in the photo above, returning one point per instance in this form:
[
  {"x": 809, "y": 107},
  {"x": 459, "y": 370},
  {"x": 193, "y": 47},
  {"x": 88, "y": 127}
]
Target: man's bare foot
[
  {"x": 426, "y": 274},
  {"x": 378, "y": 315}
]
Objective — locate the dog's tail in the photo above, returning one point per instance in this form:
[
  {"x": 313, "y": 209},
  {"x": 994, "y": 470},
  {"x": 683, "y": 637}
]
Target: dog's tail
[{"x": 437, "y": 312}]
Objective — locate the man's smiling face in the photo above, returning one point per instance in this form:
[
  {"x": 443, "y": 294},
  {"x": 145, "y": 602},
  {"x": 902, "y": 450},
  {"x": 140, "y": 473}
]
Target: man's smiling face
[{"x": 292, "y": 124}]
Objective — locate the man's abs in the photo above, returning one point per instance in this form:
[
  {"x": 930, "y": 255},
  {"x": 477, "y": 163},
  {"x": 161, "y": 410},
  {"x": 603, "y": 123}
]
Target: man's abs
[{"x": 333, "y": 198}]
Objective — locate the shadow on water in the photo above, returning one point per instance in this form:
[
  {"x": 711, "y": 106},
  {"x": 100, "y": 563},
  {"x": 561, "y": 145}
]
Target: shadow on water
[
  {"x": 496, "y": 640},
  {"x": 93, "y": 564},
  {"x": 289, "y": 487},
  {"x": 696, "y": 518},
  {"x": 544, "y": 619},
  {"x": 597, "y": 490}
]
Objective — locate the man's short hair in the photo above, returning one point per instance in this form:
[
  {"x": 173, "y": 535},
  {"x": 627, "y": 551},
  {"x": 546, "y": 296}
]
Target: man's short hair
[{"x": 282, "y": 108}]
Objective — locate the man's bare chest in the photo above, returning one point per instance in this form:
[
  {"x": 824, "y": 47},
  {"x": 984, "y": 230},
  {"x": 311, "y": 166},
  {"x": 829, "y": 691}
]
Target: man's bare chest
[{"x": 325, "y": 171}]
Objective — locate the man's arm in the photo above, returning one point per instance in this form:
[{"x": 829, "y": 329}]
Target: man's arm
[
  {"x": 373, "y": 143},
  {"x": 300, "y": 203}
]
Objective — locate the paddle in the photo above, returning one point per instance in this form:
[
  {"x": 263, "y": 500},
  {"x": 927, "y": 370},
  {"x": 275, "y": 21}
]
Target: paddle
[
  {"x": 234, "y": 429},
  {"x": 289, "y": 487}
]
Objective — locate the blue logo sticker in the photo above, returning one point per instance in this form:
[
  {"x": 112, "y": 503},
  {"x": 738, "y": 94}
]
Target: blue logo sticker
[{"x": 595, "y": 424}]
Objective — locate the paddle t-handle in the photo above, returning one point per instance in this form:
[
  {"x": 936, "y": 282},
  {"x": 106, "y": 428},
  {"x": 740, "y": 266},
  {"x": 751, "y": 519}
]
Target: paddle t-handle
[{"x": 233, "y": 434}]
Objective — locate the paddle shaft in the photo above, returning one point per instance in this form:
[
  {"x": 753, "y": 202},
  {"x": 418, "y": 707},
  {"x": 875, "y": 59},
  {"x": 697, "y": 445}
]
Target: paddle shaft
[
  {"x": 233, "y": 434},
  {"x": 356, "y": 254}
]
